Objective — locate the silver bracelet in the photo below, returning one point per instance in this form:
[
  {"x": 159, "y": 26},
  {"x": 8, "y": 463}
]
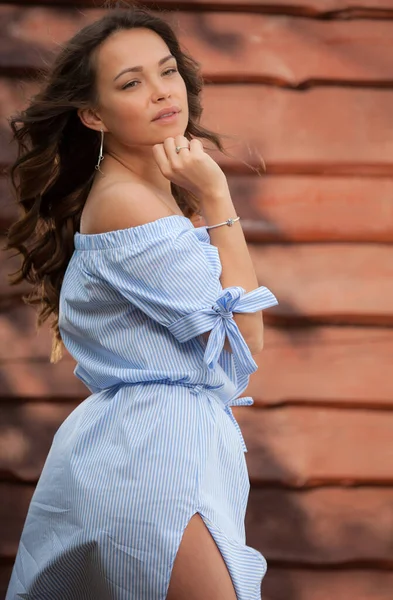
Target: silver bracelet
[{"x": 230, "y": 222}]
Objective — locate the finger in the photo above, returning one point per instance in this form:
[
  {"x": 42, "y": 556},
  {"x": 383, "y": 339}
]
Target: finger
[
  {"x": 161, "y": 158},
  {"x": 196, "y": 146},
  {"x": 181, "y": 140},
  {"x": 170, "y": 149}
]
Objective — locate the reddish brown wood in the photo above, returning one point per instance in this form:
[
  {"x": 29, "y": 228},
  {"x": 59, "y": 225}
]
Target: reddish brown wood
[
  {"x": 10, "y": 263},
  {"x": 297, "y": 209},
  {"x": 5, "y": 574},
  {"x": 320, "y": 584},
  {"x": 339, "y": 283},
  {"x": 40, "y": 379},
  {"x": 321, "y": 526},
  {"x": 13, "y": 511},
  {"x": 230, "y": 47},
  {"x": 302, "y": 446},
  {"x": 291, "y": 131},
  {"x": 303, "y": 584},
  {"x": 333, "y": 365},
  {"x": 309, "y": 8},
  {"x": 321, "y": 544},
  {"x": 26, "y": 435},
  {"x": 312, "y": 209},
  {"x": 295, "y": 446},
  {"x": 324, "y": 130},
  {"x": 334, "y": 283},
  {"x": 19, "y": 339}
]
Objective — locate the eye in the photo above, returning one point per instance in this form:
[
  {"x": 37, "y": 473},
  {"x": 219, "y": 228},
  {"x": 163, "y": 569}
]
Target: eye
[
  {"x": 129, "y": 84},
  {"x": 169, "y": 71}
]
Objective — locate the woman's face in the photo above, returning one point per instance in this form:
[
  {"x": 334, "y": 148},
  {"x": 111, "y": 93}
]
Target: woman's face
[{"x": 136, "y": 78}]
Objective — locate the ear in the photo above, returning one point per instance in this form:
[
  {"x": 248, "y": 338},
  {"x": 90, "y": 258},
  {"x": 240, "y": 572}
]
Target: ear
[{"x": 91, "y": 119}]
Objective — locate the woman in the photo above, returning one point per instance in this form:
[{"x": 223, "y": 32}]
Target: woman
[{"x": 144, "y": 491}]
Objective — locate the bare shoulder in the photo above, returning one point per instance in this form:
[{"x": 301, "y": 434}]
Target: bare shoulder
[{"x": 121, "y": 205}]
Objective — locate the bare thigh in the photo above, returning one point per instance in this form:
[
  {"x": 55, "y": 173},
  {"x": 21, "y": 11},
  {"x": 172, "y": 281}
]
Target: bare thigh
[{"x": 199, "y": 571}]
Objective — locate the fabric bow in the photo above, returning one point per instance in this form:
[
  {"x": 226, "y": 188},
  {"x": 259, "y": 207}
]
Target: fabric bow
[{"x": 235, "y": 299}]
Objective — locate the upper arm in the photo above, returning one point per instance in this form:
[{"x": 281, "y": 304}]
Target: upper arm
[{"x": 171, "y": 272}]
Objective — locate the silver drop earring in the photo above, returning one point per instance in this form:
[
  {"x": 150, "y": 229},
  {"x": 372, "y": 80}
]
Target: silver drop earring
[{"x": 101, "y": 156}]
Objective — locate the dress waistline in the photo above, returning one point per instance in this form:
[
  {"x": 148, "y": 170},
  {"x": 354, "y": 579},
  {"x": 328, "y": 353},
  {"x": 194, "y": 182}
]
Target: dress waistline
[{"x": 196, "y": 388}]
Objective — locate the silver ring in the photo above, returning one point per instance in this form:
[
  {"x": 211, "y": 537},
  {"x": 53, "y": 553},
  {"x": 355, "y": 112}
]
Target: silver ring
[{"x": 178, "y": 148}]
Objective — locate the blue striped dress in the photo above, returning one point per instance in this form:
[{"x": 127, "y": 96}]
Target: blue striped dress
[{"x": 156, "y": 441}]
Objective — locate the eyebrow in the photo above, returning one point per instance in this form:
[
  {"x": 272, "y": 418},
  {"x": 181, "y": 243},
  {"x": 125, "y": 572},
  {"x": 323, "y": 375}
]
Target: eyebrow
[{"x": 140, "y": 68}]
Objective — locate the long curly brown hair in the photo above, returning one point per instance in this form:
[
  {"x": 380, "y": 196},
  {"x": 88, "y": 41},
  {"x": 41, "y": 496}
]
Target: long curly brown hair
[{"x": 55, "y": 167}]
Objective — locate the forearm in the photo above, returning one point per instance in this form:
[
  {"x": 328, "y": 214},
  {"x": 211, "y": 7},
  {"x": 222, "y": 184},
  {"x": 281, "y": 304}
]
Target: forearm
[{"x": 237, "y": 266}]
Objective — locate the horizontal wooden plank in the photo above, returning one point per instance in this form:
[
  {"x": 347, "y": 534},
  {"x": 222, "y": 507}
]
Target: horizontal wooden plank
[
  {"x": 323, "y": 130},
  {"x": 302, "y": 584},
  {"x": 309, "y": 8},
  {"x": 287, "y": 51},
  {"x": 40, "y": 379},
  {"x": 316, "y": 527},
  {"x": 322, "y": 526},
  {"x": 327, "y": 445},
  {"x": 10, "y": 263},
  {"x": 341, "y": 366},
  {"x": 331, "y": 283},
  {"x": 5, "y": 574},
  {"x": 321, "y": 584},
  {"x": 338, "y": 283},
  {"x": 301, "y": 447},
  {"x": 279, "y": 50},
  {"x": 319, "y": 131},
  {"x": 297, "y": 208},
  {"x": 13, "y": 510},
  {"x": 26, "y": 436},
  {"x": 19, "y": 340},
  {"x": 314, "y": 209}
]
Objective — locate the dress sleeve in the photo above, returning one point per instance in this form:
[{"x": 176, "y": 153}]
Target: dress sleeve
[{"x": 174, "y": 278}]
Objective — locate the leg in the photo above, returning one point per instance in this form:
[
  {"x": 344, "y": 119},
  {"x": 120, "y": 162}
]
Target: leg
[{"x": 199, "y": 571}]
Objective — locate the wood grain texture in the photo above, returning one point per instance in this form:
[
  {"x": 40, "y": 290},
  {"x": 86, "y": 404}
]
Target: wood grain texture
[
  {"x": 322, "y": 526},
  {"x": 307, "y": 86},
  {"x": 296, "y": 208},
  {"x": 290, "y": 131},
  {"x": 35, "y": 379},
  {"x": 300, "y": 446},
  {"x": 324, "y": 365},
  {"x": 310, "y": 8},
  {"x": 314, "y": 527},
  {"x": 331, "y": 283},
  {"x": 335, "y": 366},
  {"x": 314, "y": 208},
  {"x": 277, "y": 50},
  {"x": 26, "y": 434},
  {"x": 293, "y": 446},
  {"x": 283, "y": 583},
  {"x": 337, "y": 283}
]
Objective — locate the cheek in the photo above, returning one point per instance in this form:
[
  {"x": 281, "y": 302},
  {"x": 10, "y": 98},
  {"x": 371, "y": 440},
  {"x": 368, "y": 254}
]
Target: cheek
[
  {"x": 124, "y": 112},
  {"x": 183, "y": 95}
]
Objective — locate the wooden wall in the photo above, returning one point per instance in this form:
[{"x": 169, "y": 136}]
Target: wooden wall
[{"x": 308, "y": 85}]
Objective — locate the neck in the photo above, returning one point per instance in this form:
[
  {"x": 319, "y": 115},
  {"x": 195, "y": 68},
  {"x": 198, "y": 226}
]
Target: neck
[{"x": 140, "y": 164}]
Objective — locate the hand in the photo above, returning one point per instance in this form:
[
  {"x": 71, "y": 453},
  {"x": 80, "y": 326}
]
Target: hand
[{"x": 192, "y": 169}]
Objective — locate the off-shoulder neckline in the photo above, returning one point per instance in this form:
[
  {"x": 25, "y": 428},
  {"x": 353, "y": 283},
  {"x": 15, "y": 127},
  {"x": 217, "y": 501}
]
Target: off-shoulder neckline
[{"x": 138, "y": 233}]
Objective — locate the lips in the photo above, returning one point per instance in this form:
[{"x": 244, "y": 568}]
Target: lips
[{"x": 166, "y": 112}]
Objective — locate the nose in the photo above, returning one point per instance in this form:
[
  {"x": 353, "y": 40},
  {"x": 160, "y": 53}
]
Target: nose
[{"x": 159, "y": 90}]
